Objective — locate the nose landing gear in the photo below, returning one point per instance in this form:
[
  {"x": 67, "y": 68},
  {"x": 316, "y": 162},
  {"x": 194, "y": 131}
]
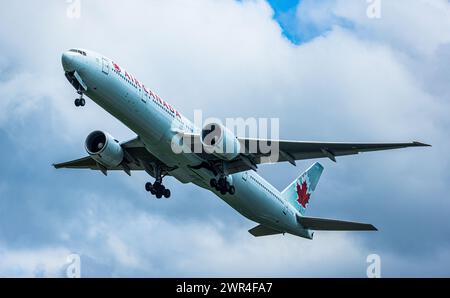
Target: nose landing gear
[{"x": 80, "y": 101}]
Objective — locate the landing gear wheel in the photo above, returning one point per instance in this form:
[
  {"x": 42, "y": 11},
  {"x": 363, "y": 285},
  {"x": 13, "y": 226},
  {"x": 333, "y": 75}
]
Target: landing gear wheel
[
  {"x": 167, "y": 193},
  {"x": 157, "y": 185},
  {"x": 222, "y": 183},
  {"x": 80, "y": 102},
  {"x": 157, "y": 188},
  {"x": 223, "y": 186}
]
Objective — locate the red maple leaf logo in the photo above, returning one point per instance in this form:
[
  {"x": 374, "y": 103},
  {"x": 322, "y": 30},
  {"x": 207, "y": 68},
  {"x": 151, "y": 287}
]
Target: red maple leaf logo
[{"x": 303, "y": 195}]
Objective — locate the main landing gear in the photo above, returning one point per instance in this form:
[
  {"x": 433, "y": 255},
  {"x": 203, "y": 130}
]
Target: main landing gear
[
  {"x": 222, "y": 186},
  {"x": 80, "y": 102},
  {"x": 158, "y": 189}
]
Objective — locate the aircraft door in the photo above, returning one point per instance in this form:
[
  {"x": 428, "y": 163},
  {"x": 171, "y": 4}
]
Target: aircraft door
[
  {"x": 244, "y": 176},
  {"x": 105, "y": 66},
  {"x": 142, "y": 95}
]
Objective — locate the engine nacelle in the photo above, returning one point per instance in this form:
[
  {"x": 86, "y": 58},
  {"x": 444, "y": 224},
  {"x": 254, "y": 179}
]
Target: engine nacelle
[
  {"x": 104, "y": 149},
  {"x": 220, "y": 141}
]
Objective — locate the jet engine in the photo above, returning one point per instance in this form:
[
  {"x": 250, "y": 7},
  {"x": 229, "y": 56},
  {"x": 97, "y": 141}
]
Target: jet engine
[
  {"x": 220, "y": 141},
  {"x": 104, "y": 149}
]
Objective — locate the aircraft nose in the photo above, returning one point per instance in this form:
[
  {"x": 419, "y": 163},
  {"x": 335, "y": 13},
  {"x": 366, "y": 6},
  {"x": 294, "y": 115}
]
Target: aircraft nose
[
  {"x": 68, "y": 61},
  {"x": 72, "y": 61}
]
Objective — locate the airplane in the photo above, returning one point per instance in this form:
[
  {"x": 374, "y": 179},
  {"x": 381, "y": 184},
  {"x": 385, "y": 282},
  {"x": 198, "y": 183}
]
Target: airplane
[{"x": 231, "y": 175}]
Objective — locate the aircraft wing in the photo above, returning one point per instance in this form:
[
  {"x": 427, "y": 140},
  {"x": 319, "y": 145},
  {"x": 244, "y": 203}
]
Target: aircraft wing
[
  {"x": 137, "y": 158},
  {"x": 298, "y": 150},
  {"x": 291, "y": 151}
]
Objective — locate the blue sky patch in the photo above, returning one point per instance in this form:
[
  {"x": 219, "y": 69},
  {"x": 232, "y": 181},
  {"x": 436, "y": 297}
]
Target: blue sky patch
[{"x": 300, "y": 30}]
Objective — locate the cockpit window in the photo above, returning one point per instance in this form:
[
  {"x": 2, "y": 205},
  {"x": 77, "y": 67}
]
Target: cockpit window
[{"x": 78, "y": 51}]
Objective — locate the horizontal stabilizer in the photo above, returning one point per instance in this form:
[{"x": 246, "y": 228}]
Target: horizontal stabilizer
[
  {"x": 261, "y": 230},
  {"x": 323, "y": 224}
]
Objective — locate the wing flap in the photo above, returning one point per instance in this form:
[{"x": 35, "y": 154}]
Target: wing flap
[{"x": 323, "y": 224}]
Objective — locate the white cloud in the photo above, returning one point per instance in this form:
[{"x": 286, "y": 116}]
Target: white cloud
[
  {"x": 43, "y": 262},
  {"x": 417, "y": 27},
  {"x": 134, "y": 242}
]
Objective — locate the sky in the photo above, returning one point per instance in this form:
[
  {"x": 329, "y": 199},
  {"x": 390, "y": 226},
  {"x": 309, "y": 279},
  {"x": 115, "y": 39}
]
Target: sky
[{"x": 326, "y": 69}]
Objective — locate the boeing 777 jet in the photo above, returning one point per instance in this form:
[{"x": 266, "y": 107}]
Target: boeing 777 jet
[{"x": 231, "y": 174}]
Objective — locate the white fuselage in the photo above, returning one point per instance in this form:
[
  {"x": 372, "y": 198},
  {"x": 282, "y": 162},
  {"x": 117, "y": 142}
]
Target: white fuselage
[{"x": 156, "y": 122}]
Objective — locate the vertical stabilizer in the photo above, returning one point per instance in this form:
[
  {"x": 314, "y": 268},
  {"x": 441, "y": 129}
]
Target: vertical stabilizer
[{"x": 298, "y": 193}]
